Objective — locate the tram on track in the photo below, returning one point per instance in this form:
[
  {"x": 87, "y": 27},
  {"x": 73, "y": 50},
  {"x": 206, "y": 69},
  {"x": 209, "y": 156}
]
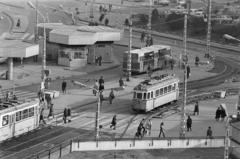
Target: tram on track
[
  {"x": 156, "y": 92},
  {"x": 154, "y": 57},
  {"x": 18, "y": 117}
]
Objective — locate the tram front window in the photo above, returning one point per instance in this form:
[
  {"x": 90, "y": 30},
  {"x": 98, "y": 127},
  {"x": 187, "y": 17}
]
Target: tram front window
[
  {"x": 144, "y": 95},
  {"x": 139, "y": 95}
]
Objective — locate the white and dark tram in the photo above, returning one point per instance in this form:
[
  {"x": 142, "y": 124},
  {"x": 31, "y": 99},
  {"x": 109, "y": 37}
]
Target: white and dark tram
[
  {"x": 18, "y": 117},
  {"x": 156, "y": 92}
]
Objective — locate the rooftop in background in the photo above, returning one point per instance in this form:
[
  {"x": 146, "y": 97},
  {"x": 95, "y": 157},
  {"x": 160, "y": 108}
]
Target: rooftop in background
[
  {"x": 80, "y": 35},
  {"x": 17, "y": 48}
]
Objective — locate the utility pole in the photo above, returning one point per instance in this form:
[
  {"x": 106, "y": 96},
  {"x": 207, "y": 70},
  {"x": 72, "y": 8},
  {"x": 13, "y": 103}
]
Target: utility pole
[
  {"x": 91, "y": 11},
  {"x": 227, "y": 134},
  {"x": 36, "y": 28},
  {"x": 129, "y": 62},
  {"x": 207, "y": 55},
  {"x": 150, "y": 20},
  {"x": 185, "y": 60}
]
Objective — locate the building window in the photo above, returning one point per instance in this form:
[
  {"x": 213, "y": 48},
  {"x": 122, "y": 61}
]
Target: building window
[
  {"x": 63, "y": 54},
  {"x": 79, "y": 55},
  {"x": 5, "y": 120}
]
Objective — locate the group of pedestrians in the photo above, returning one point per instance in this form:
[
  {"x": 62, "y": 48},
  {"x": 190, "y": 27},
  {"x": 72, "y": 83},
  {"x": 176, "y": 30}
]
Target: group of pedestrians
[
  {"x": 67, "y": 115},
  {"x": 144, "y": 128},
  {"x": 220, "y": 114},
  {"x": 99, "y": 87}
]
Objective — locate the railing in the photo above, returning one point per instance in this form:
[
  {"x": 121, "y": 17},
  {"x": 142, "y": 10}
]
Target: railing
[{"x": 75, "y": 144}]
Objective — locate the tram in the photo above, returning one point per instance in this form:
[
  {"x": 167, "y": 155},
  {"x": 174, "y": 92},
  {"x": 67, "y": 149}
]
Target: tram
[
  {"x": 17, "y": 117},
  {"x": 154, "y": 57},
  {"x": 156, "y": 92}
]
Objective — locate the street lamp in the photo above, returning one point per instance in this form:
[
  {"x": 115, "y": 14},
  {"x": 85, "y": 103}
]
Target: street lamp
[
  {"x": 98, "y": 107},
  {"x": 44, "y": 45}
]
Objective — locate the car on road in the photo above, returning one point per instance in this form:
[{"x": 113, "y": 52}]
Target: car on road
[{"x": 162, "y": 2}]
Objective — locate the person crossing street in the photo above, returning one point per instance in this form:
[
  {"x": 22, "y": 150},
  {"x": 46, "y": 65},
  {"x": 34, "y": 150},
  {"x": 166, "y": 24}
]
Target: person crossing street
[{"x": 161, "y": 130}]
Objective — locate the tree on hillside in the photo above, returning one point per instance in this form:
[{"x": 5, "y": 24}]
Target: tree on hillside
[
  {"x": 155, "y": 15},
  {"x": 197, "y": 25},
  {"x": 175, "y": 21},
  {"x": 101, "y": 17}
]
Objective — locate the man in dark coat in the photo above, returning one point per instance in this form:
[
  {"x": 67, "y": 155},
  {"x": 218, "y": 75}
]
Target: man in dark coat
[
  {"x": 101, "y": 83},
  {"x": 218, "y": 112},
  {"x": 189, "y": 124},
  {"x": 114, "y": 122},
  {"x": 64, "y": 86},
  {"x": 196, "y": 109}
]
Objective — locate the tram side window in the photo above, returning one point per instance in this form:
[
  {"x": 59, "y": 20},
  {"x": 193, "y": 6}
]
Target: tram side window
[
  {"x": 18, "y": 116},
  {"x": 31, "y": 111},
  {"x": 174, "y": 87},
  {"x": 25, "y": 114},
  {"x": 144, "y": 95},
  {"x": 152, "y": 94},
  {"x": 157, "y": 92},
  {"x": 161, "y": 91},
  {"x": 165, "y": 90},
  {"x": 5, "y": 120},
  {"x": 169, "y": 88},
  {"x": 139, "y": 95},
  {"x": 148, "y": 96}
]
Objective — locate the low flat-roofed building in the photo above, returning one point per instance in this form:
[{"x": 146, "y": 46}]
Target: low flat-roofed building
[
  {"x": 16, "y": 49},
  {"x": 75, "y": 46}
]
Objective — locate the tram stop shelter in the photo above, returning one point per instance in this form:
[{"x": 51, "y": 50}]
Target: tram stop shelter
[
  {"x": 16, "y": 49},
  {"x": 75, "y": 46}
]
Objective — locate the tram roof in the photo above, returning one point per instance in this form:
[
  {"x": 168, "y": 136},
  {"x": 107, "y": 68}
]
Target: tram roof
[
  {"x": 7, "y": 107},
  {"x": 156, "y": 82},
  {"x": 153, "y": 48}
]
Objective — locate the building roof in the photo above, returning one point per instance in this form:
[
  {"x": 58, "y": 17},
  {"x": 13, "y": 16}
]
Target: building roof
[
  {"x": 17, "y": 48},
  {"x": 80, "y": 35},
  {"x": 153, "y": 48}
]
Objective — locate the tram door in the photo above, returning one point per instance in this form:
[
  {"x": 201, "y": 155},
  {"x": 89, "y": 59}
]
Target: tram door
[{"x": 12, "y": 120}]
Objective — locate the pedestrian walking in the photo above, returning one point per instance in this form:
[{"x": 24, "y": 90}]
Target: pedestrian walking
[
  {"x": 95, "y": 88},
  {"x": 101, "y": 83},
  {"x": 51, "y": 111},
  {"x": 48, "y": 99},
  {"x": 121, "y": 83},
  {"x": 196, "y": 108},
  {"x": 149, "y": 126},
  {"x": 189, "y": 124},
  {"x": 197, "y": 61},
  {"x": 41, "y": 118},
  {"x": 209, "y": 133},
  {"x": 114, "y": 122},
  {"x": 111, "y": 96},
  {"x": 161, "y": 130},
  {"x": 69, "y": 114},
  {"x": 96, "y": 60},
  {"x": 64, "y": 86},
  {"x": 65, "y": 113},
  {"x": 218, "y": 113},
  {"x": 15, "y": 97}
]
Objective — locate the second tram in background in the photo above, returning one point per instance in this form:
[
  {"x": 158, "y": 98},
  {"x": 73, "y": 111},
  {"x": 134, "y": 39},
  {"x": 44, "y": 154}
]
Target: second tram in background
[
  {"x": 153, "y": 57},
  {"x": 156, "y": 92}
]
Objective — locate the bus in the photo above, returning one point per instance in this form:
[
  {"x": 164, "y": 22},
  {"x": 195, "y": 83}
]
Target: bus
[
  {"x": 18, "y": 117},
  {"x": 153, "y": 93},
  {"x": 153, "y": 57}
]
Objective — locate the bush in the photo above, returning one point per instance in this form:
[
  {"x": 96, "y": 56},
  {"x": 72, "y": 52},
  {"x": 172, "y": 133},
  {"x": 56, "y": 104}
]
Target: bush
[{"x": 155, "y": 15}]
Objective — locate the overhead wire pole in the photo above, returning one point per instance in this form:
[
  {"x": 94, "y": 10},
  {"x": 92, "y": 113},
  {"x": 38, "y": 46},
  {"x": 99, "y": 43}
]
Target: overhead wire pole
[
  {"x": 207, "y": 55},
  {"x": 91, "y": 11},
  {"x": 150, "y": 20},
  {"x": 36, "y": 28},
  {"x": 227, "y": 136},
  {"x": 129, "y": 62},
  {"x": 185, "y": 60}
]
